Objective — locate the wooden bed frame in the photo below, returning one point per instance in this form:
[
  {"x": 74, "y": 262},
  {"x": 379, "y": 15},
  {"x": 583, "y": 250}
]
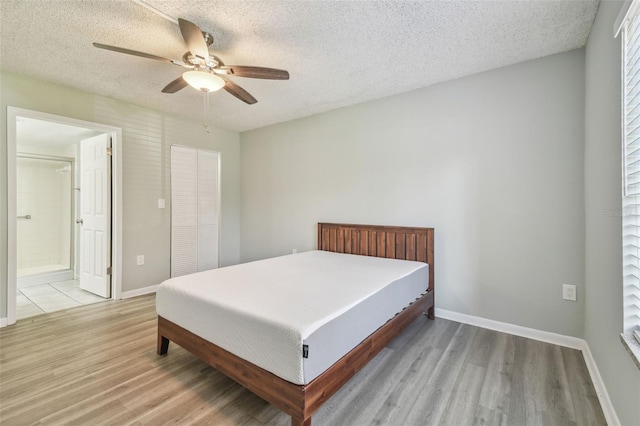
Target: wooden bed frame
[{"x": 301, "y": 401}]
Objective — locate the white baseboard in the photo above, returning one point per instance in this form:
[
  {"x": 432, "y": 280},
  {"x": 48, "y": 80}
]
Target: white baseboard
[
  {"x": 139, "y": 292},
  {"x": 598, "y": 384},
  {"x": 548, "y": 337},
  {"x": 3, "y": 322},
  {"x": 531, "y": 333}
]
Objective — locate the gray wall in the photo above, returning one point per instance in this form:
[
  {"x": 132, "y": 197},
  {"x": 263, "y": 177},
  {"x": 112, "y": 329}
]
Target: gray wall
[
  {"x": 603, "y": 183},
  {"x": 493, "y": 161},
  {"x": 147, "y": 136}
]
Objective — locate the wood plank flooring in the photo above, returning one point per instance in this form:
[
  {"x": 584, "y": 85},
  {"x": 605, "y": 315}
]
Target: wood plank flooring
[{"x": 97, "y": 365}]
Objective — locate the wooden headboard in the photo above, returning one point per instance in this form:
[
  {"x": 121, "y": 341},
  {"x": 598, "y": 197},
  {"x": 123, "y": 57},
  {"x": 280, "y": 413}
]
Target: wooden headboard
[{"x": 396, "y": 242}]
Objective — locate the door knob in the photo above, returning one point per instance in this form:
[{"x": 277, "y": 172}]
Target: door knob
[{"x": 80, "y": 221}]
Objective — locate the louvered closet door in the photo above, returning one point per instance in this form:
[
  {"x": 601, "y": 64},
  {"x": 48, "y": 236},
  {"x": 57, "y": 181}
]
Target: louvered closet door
[
  {"x": 194, "y": 210},
  {"x": 207, "y": 210}
]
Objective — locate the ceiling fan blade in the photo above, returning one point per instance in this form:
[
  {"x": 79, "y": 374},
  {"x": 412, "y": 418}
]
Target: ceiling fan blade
[
  {"x": 238, "y": 92},
  {"x": 132, "y": 52},
  {"x": 193, "y": 37},
  {"x": 255, "y": 72},
  {"x": 177, "y": 84}
]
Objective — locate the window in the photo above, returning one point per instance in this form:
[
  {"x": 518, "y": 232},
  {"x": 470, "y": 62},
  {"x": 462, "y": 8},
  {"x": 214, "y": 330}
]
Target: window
[{"x": 631, "y": 172}]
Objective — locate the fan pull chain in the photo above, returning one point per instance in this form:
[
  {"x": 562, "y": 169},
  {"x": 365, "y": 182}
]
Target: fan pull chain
[{"x": 206, "y": 111}]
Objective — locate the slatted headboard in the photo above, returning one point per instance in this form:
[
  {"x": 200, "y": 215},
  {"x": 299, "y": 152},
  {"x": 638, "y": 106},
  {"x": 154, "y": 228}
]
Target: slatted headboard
[{"x": 396, "y": 242}]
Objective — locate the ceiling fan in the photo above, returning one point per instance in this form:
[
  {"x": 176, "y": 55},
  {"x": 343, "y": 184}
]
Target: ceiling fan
[{"x": 206, "y": 72}]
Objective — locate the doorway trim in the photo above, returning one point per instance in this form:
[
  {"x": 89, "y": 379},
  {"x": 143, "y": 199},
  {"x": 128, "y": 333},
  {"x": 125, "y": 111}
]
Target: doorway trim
[{"x": 116, "y": 193}]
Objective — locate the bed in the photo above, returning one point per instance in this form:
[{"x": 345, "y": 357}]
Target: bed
[{"x": 292, "y": 344}]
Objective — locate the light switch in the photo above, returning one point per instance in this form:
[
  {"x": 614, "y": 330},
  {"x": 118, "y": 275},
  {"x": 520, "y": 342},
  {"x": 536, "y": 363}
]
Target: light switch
[{"x": 161, "y": 203}]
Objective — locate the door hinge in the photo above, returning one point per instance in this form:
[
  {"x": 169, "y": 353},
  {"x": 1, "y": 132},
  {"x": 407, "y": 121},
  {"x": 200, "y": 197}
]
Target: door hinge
[
  {"x": 109, "y": 270},
  {"x": 109, "y": 153}
]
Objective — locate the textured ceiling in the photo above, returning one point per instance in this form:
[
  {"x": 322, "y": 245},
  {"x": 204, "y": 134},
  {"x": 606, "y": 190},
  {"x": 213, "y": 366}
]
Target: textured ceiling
[{"x": 338, "y": 53}]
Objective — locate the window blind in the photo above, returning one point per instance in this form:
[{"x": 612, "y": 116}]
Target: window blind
[{"x": 631, "y": 169}]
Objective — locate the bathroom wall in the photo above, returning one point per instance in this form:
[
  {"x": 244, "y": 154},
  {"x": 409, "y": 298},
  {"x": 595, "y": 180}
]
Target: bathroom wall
[
  {"x": 58, "y": 148},
  {"x": 44, "y": 193}
]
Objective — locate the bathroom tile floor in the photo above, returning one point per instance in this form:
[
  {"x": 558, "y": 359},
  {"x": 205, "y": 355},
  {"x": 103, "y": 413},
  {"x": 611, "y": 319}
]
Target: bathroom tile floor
[{"x": 38, "y": 299}]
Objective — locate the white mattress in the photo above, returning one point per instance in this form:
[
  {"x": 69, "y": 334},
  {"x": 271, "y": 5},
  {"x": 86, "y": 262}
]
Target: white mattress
[{"x": 265, "y": 311}]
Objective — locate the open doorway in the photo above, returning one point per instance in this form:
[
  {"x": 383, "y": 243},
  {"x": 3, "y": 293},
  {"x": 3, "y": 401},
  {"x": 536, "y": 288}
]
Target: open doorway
[{"x": 64, "y": 184}]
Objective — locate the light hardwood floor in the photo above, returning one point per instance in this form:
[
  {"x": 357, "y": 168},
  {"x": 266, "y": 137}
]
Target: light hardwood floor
[{"x": 97, "y": 365}]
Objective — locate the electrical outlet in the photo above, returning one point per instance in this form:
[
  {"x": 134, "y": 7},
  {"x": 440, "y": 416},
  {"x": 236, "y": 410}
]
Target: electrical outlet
[
  {"x": 294, "y": 251},
  {"x": 569, "y": 292},
  {"x": 140, "y": 259},
  {"x": 161, "y": 203}
]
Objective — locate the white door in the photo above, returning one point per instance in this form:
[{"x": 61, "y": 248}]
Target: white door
[
  {"x": 195, "y": 210},
  {"x": 208, "y": 204},
  {"x": 95, "y": 219}
]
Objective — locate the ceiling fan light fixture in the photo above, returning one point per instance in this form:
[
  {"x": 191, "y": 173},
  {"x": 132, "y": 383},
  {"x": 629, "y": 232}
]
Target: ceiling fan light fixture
[{"x": 203, "y": 80}]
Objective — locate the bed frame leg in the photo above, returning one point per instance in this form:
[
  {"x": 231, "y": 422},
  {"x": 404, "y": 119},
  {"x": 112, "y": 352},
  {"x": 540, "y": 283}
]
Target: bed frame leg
[
  {"x": 296, "y": 422},
  {"x": 431, "y": 313},
  {"x": 163, "y": 345}
]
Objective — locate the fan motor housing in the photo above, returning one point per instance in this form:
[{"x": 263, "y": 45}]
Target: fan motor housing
[{"x": 211, "y": 62}]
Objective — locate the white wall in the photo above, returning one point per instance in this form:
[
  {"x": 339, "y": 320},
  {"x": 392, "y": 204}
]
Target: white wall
[
  {"x": 147, "y": 135},
  {"x": 603, "y": 183},
  {"x": 493, "y": 161},
  {"x": 44, "y": 240},
  {"x": 70, "y": 150}
]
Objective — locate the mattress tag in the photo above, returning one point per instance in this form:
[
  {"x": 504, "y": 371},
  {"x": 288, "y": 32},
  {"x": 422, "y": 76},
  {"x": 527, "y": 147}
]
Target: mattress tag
[{"x": 305, "y": 351}]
